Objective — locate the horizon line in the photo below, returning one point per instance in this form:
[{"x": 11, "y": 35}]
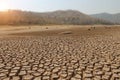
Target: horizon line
[{"x": 55, "y": 10}]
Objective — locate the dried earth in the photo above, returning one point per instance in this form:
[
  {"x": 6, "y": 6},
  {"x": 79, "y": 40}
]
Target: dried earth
[{"x": 90, "y": 53}]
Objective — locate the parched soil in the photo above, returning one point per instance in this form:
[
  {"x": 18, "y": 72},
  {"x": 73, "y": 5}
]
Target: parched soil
[{"x": 71, "y": 54}]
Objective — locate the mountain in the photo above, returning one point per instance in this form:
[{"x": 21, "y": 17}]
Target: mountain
[
  {"x": 114, "y": 18},
  {"x": 17, "y": 17}
]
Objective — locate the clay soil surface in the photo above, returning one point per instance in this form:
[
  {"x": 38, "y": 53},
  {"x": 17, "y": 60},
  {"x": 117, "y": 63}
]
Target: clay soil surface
[{"x": 60, "y": 52}]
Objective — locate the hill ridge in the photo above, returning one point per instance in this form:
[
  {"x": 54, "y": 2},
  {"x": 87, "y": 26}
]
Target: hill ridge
[{"x": 15, "y": 17}]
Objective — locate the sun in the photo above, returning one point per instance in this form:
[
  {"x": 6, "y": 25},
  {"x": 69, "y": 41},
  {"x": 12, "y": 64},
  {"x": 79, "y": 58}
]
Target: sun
[{"x": 3, "y": 6}]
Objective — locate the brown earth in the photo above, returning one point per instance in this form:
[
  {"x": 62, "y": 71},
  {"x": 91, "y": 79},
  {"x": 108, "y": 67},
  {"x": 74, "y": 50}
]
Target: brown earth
[{"x": 60, "y": 53}]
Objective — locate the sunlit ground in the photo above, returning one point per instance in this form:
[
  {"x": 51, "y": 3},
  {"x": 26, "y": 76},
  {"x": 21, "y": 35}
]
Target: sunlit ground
[
  {"x": 60, "y": 52},
  {"x": 36, "y": 28}
]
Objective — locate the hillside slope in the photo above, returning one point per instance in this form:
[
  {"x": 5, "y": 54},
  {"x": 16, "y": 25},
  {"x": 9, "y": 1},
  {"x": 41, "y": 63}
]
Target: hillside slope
[
  {"x": 114, "y": 18},
  {"x": 16, "y": 17}
]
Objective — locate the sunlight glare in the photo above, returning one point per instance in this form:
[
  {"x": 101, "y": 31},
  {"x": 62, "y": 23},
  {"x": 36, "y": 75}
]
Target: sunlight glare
[{"x": 4, "y": 6}]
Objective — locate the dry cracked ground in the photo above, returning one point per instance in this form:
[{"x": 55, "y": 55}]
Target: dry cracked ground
[{"x": 60, "y": 57}]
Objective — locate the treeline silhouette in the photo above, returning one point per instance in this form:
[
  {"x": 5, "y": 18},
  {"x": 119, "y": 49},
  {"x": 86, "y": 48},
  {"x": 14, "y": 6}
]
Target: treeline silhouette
[{"x": 18, "y": 17}]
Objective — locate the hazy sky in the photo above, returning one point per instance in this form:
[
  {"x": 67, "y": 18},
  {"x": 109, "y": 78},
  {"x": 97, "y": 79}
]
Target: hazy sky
[{"x": 85, "y": 6}]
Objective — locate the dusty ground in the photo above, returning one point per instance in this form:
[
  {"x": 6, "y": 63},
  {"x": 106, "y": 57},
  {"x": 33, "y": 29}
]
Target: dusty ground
[{"x": 60, "y": 53}]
